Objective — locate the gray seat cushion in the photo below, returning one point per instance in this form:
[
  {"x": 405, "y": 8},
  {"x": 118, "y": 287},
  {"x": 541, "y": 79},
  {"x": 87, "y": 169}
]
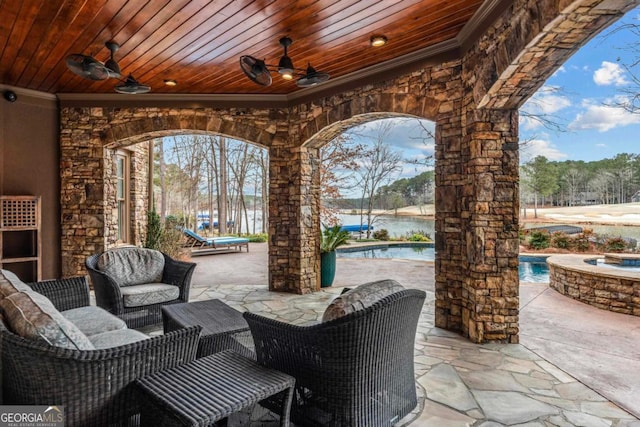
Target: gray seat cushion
[
  {"x": 132, "y": 265},
  {"x": 93, "y": 320},
  {"x": 361, "y": 297},
  {"x": 153, "y": 293},
  {"x": 116, "y": 338}
]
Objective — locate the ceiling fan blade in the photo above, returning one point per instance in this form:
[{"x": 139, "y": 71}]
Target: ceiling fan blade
[
  {"x": 256, "y": 70},
  {"x": 132, "y": 86},
  {"x": 312, "y": 77},
  {"x": 87, "y": 67}
]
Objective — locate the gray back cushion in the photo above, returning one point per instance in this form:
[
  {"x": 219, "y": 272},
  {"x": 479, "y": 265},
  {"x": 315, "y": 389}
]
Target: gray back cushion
[
  {"x": 10, "y": 284},
  {"x": 33, "y": 316},
  {"x": 132, "y": 266},
  {"x": 361, "y": 297}
]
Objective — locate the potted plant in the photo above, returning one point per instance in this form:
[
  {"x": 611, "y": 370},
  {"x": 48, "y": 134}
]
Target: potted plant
[{"x": 331, "y": 238}]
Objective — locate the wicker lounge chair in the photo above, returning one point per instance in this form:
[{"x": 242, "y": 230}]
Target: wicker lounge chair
[
  {"x": 95, "y": 386},
  {"x": 208, "y": 245},
  {"x": 119, "y": 294},
  {"x": 356, "y": 370}
]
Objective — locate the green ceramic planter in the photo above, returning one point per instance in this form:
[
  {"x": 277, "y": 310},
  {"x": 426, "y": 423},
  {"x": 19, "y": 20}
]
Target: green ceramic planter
[{"x": 327, "y": 268}]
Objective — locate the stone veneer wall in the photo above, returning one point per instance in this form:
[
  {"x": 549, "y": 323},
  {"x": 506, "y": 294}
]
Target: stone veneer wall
[
  {"x": 138, "y": 190},
  {"x": 474, "y": 102},
  {"x": 607, "y": 289},
  {"x": 89, "y": 138},
  {"x": 477, "y": 158}
]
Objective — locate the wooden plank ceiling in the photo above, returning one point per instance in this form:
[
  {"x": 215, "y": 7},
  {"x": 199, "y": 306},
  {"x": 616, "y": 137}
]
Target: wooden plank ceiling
[{"x": 198, "y": 42}]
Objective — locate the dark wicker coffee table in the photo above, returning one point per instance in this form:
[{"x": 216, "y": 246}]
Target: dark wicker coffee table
[
  {"x": 209, "y": 389},
  {"x": 223, "y": 327}
]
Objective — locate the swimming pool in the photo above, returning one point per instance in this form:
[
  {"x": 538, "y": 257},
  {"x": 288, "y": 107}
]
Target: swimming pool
[{"x": 531, "y": 269}]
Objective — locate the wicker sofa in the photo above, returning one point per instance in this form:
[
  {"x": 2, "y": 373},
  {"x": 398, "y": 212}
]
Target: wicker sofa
[
  {"x": 94, "y": 385},
  {"x": 356, "y": 367},
  {"x": 135, "y": 283}
]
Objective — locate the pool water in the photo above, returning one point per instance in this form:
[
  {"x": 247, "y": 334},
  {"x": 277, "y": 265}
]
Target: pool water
[
  {"x": 600, "y": 263},
  {"x": 531, "y": 269}
]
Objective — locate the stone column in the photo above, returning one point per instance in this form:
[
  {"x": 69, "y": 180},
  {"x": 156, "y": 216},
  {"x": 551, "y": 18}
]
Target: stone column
[
  {"x": 477, "y": 224},
  {"x": 294, "y": 194},
  {"x": 82, "y": 187}
]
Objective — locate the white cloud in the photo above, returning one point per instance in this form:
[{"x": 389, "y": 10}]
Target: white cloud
[
  {"x": 545, "y": 102},
  {"x": 601, "y": 145},
  {"x": 610, "y": 73},
  {"x": 603, "y": 117},
  {"x": 405, "y": 134},
  {"x": 540, "y": 147},
  {"x": 560, "y": 70}
]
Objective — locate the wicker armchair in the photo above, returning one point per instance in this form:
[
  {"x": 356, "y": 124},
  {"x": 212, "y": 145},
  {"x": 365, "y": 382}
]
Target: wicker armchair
[
  {"x": 107, "y": 288},
  {"x": 95, "y": 386},
  {"x": 356, "y": 370}
]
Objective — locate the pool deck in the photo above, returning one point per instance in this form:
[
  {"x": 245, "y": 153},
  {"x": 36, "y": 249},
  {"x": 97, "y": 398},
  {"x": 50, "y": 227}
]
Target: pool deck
[{"x": 576, "y": 365}]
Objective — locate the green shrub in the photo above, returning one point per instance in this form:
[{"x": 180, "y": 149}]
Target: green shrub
[
  {"x": 165, "y": 237},
  {"x": 615, "y": 244},
  {"x": 581, "y": 243},
  {"x": 418, "y": 236},
  {"x": 561, "y": 240},
  {"x": 539, "y": 240},
  {"x": 382, "y": 234},
  {"x": 258, "y": 238},
  {"x": 522, "y": 234},
  {"x": 154, "y": 230}
]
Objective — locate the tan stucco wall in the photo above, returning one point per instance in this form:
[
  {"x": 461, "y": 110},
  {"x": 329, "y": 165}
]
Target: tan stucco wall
[{"x": 29, "y": 163}]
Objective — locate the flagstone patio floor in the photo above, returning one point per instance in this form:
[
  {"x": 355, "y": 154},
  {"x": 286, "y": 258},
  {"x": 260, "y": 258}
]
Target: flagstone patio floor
[{"x": 460, "y": 383}]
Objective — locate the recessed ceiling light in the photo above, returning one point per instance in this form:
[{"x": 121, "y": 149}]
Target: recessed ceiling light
[
  {"x": 170, "y": 82},
  {"x": 377, "y": 41}
]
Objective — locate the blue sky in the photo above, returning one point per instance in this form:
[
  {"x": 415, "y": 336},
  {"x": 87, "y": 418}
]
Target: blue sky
[{"x": 578, "y": 96}]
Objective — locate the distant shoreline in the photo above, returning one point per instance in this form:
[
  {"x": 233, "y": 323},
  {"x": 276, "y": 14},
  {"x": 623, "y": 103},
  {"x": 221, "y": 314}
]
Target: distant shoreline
[{"x": 626, "y": 214}]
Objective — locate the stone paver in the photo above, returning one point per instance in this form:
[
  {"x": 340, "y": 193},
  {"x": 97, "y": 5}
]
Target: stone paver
[{"x": 459, "y": 383}]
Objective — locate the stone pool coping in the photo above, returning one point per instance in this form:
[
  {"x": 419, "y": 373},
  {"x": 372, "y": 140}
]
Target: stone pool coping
[
  {"x": 605, "y": 288},
  {"x": 579, "y": 263}
]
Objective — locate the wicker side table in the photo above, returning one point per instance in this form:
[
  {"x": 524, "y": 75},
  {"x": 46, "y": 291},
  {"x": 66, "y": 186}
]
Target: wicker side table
[
  {"x": 223, "y": 327},
  {"x": 210, "y": 389}
]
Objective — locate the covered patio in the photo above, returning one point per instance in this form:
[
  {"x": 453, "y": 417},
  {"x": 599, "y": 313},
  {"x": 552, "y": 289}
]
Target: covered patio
[
  {"x": 572, "y": 368},
  {"x": 467, "y": 65}
]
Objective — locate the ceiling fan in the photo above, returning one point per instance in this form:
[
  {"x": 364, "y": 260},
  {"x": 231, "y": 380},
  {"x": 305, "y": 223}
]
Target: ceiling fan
[
  {"x": 259, "y": 71},
  {"x": 90, "y": 68},
  {"x": 132, "y": 86}
]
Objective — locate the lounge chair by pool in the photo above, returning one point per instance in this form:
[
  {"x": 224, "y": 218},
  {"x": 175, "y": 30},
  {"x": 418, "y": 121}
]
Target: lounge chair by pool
[{"x": 208, "y": 245}]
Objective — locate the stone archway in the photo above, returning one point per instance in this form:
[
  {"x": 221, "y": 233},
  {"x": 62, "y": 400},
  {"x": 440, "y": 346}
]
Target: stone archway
[
  {"x": 473, "y": 99},
  {"x": 89, "y": 140}
]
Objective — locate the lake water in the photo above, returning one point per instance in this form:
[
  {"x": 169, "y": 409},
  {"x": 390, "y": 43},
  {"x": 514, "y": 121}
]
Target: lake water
[{"x": 398, "y": 226}]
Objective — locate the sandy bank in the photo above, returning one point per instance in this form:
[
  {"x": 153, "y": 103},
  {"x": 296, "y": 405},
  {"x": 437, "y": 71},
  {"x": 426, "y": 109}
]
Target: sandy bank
[{"x": 621, "y": 214}]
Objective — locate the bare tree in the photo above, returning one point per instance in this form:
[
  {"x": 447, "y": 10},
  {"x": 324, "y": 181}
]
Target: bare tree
[
  {"x": 159, "y": 144},
  {"x": 337, "y": 166},
  {"x": 188, "y": 155},
  {"x": 223, "y": 188},
  {"x": 572, "y": 179},
  {"x": 630, "y": 94},
  {"x": 379, "y": 164},
  {"x": 427, "y": 138},
  {"x": 536, "y": 114}
]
